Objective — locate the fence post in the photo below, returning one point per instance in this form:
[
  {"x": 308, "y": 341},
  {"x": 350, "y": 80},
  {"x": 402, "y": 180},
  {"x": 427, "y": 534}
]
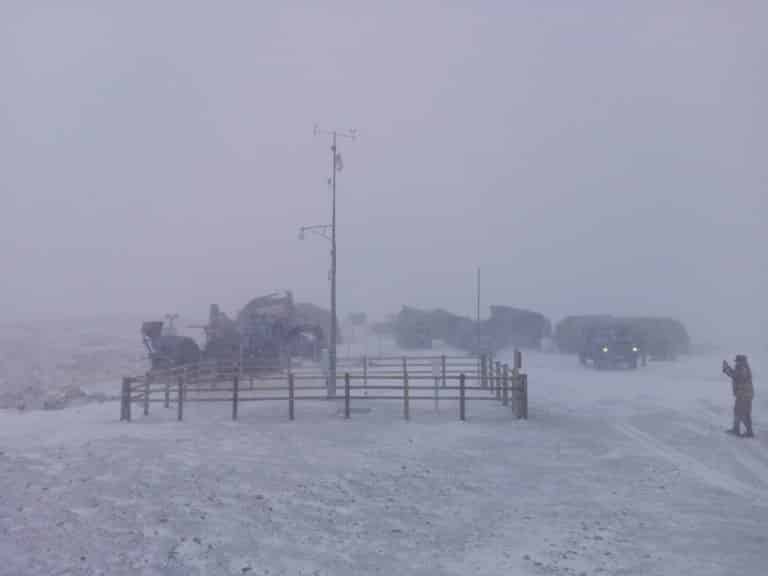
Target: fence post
[
  {"x": 235, "y": 394},
  {"x": 122, "y": 399},
  {"x": 146, "y": 395},
  {"x": 483, "y": 371},
  {"x": 442, "y": 366},
  {"x": 180, "y": 412},
  {"x": 365, "y": 374},
  {"x": 129, "y": 405},
  {"x": 462, "y": 397},
  {"x": 437, "y": 395},
  {"x": 346, "y": 395},
  {"x": 491, "y": 375},
  {"x": 291, "y": 397},
  {"x": 518, "y": 365},
  {"x": 406, "y": 395},
  {"x": 498, "y": 381},
  {"x": 525, "y": 396},
  {"x": 125, "y": 400},
  {"x": 505, "y": 399},
  {"x": 517, "y": 394},
  {"x": 167, "y": 393}
]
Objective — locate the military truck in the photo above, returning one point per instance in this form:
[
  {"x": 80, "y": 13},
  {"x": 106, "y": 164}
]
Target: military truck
[
  {"x": 268, "y": 331},
  {"x": 167, "y": 349},
  {"x": 508, "y": 327},
  {"x": 614, "y": 346},
  {"x": 659, "y": 338},
  {"x": 665, "y": 338}
]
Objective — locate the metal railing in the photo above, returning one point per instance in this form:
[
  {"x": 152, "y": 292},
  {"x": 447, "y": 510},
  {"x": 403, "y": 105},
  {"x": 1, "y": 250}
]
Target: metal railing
[{"x": 407, "y": 379}]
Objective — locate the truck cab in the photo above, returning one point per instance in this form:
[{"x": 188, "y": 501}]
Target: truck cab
[{"x": 611, "y": 347}]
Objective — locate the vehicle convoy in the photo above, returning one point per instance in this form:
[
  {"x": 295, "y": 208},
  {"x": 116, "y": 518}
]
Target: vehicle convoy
[
  {"x": 268, "y": 331},
  {"x": 506, "y": 327},
  {"x": 661, "y": 338},
  {"x": 611, "y": 347}
]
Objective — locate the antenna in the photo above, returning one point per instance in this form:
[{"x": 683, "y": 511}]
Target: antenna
[{"x": 336, "y": 164}]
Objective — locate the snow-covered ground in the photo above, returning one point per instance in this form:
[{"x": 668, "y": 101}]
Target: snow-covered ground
[
  {"x": 45, "y": 364},
  {"x": 614, "y": 473}
]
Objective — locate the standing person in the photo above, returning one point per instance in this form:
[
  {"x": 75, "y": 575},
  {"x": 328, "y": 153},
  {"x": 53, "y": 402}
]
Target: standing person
[{"x": 743, "y": 391}]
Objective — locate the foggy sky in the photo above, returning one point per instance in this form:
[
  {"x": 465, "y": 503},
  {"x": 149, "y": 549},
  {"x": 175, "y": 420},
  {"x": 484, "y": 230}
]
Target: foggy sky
[{"x": 590, "y": 156}]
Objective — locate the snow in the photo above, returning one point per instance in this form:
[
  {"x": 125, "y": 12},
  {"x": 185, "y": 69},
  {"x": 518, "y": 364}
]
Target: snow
[
  {"x": 53, "y": 363},
  {"x": 614, "y": 473}
]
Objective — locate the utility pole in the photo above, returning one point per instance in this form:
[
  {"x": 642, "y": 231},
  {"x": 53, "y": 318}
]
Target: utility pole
[
  {"x": 336, "y": 166},
  {"x": 477, "y": 312},
  {"x": 478, "y": 295}
]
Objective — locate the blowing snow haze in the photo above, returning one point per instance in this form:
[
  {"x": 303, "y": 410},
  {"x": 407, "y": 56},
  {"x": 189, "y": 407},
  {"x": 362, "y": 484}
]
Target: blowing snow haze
[{"x": 590, "y": 157}]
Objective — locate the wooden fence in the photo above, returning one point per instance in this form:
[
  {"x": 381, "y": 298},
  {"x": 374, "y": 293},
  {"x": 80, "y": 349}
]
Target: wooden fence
[{"x": 406, "y": 379}]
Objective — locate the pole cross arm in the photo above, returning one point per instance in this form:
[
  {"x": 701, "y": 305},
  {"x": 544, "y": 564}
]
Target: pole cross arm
[
  {"x": 323, "y": 230},
  {"x": 351, "y": 133}
]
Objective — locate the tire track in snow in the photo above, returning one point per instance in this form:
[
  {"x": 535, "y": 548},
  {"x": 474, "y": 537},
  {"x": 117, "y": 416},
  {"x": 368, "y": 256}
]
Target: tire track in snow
[
  {"x": 753, "y": 457},
  {"x": 694, "y": 467},
  {"x": 754, "y": 463}
]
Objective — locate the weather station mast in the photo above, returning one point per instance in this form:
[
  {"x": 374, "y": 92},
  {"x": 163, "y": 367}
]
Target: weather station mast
[{"x": 328, "y": 231}]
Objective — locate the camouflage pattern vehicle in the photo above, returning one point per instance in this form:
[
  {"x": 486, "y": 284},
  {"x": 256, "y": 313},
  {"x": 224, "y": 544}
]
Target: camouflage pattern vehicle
[
  {"x": 665, "y": 338},
  {"x": 507, "y": 326},
  {"x": 659, "y": 338},
  {"x": 413, "y": 329},
  {"x": 516, "y": 327},
  {"x": 271, "y": 330},
  {"x": 613, "y": 346},
  {"x": 268, "y": 331},
  {"x": 167, "y": 349},
  {"x": 571, "y": 332}
]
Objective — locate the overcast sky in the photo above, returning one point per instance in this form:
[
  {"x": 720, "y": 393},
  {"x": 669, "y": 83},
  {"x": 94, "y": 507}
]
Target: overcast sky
[{"x": 589, "y": 156}]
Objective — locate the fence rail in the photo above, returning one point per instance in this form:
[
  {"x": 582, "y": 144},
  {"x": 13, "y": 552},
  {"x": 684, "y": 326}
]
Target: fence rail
[{"x": 406, "y": 379}]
